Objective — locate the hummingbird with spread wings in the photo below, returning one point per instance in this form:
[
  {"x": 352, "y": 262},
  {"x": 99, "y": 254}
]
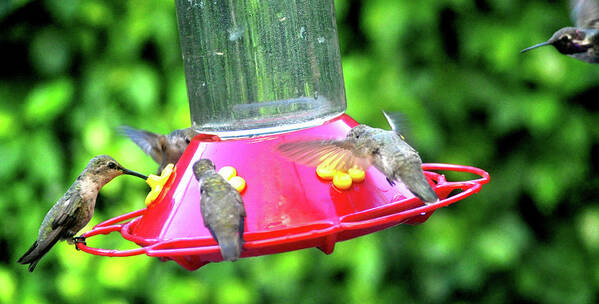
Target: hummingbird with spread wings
[
  {"x": 364, "y": 146},
  {"x": 164, "y": 149},
  {"x": 582, "y": 41}
]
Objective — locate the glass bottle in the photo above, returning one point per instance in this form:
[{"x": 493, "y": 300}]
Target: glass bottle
[{"x": 256, "y": 67}]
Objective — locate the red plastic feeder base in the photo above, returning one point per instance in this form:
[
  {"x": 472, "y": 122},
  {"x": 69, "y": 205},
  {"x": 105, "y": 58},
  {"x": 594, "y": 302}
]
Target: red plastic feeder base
[{"x": 288, "y": 206}]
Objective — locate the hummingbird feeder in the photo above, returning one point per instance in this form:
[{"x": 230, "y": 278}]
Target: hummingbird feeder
[{"x": 258, "y": 75}]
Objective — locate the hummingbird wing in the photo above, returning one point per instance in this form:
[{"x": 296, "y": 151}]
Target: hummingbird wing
[
  {"x": 397, "y": 122},
  {"x": 337, "y": 154},
  {"x": 151, "y": 143},
  {"x": 585, "y": 13},
  {"x": 68, "y": 216}
]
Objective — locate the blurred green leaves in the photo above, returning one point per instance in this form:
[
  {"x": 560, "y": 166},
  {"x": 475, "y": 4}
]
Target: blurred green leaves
[
  {"x": 588, "y": 228},
  {"x": 7, "y": 281},
  {"x": 48, "y": 100},
  {"x": 50, "y": 51},
  {"x": 8, "y": 6},
  {"x": 49, "y": 168}
]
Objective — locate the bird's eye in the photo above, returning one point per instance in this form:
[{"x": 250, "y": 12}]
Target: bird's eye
[
  {"x": 187, "y": 140},
  {"x": 111, "y": 165}
]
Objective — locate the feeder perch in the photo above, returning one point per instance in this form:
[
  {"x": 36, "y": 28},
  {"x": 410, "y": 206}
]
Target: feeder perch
[{"x": 258, "y": 76}]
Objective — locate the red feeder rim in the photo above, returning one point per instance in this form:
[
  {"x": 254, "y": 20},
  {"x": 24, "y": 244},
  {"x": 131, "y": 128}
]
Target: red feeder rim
[{"x": 288, "y": 207}]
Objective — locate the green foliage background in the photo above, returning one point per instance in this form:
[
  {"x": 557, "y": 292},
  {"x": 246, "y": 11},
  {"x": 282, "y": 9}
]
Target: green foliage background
[{"x": 73, "y": 70}]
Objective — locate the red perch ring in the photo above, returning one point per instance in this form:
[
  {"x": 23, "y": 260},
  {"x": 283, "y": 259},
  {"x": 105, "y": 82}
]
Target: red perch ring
[{"x": 288, "y": 206}]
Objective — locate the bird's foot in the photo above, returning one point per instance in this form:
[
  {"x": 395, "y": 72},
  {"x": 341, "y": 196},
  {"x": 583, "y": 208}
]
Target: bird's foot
[{"x": 79, "y": 240}]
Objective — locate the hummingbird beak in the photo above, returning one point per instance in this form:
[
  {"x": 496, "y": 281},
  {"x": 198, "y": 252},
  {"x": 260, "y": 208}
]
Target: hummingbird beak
[
  {"x": 130, "y": 172},
  {"x": 535, "y": 46}
]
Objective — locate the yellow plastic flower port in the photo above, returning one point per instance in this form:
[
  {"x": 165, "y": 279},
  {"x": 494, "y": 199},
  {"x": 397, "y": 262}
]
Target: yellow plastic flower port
[
  {"x": 325, "y": 172},
  {"x": 237, "y": 182},
  {"x": 357, "y": 174},
  {"x": 157, "y": 183},
  {"x": 342, "y": 181},
  {"x": 229, "y": 173}
]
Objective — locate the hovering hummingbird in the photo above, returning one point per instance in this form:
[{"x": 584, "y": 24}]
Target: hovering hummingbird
[
  {"x": 364, "y": 146},
  {"x": 75, "y": 208},
  {"x": 582, "y": 41},
  {"x": 222, "y": 209},
  {"x": 164, "y": 149}
]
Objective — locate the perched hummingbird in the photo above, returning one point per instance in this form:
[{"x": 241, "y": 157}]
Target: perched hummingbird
[
  {"x": 164, "y": 149},
  {"x": 75, "y": 208},
  {"x": 364, "y": 146},
  {"x": 222, "y": 209},
  {"x": 582, "y": 41}
]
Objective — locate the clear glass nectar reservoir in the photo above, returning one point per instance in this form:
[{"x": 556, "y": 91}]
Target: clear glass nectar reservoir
[{"x": 257, "y": 67}]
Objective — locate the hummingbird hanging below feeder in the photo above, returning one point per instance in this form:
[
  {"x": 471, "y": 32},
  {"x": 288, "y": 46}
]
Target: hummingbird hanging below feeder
[
  {"x": 75, "y": 208},
  {"x": 222, "y": 209},
  {"x": 164, "y": 149},
  {"x": 582, "y": 41}
]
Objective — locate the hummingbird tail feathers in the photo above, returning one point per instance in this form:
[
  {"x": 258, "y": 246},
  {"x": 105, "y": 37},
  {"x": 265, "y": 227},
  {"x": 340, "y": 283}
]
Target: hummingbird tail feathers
[
  {"x": 230, "y": 248},
  {"x": 423, "y": 190},
  {"x": 427, "y": 195},
  {"x": 26, "y": 256},
  {"x": 32, "y": 256},
  {"x": 38, "y": 250},
  {"x": 32, "y": 265},
  {"x": 230, "y": 244}
]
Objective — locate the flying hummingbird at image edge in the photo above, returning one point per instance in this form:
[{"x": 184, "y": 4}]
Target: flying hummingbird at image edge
[
  {"x": 164, "y": 149},
  {"x": 582, "y": 41},
  {"x": 75, "y": 208},
  {"x": 364, "y": 146},
  {"x": 222, "y": 209}
]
